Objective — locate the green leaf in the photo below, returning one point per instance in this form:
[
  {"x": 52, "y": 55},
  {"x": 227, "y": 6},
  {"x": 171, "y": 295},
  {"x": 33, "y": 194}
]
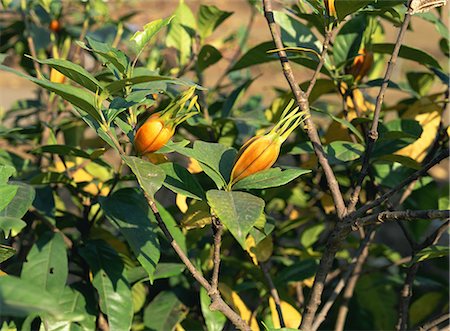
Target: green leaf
[
  {"x": 113, "y": 58},
  {"x": 7, "y": 193},
  {"x": 181, "y": 31},
  {"x": 343, "y": 151},
  {"x": 209, "y": 18},
  {"x": 208, "y": 56},
  {"x": 347, "y": 42},
  {"x": 297, "y": 272},
  {"x": 421, "y": 82},
  {"x": 63, "y": 150},
  {"x": 128, "y": 210},
  {"x": 164, "y": 312},
  {"x": 6, "y": 171},
  {"x": 403, "y": 160},
  {"x": 111, "y": 284},
  {"x": 310, "y": 235},
  {"x": 408, "y": 53},
  {"x": 395, "y": 135},
  {"x": 239, "y": 211},
  {"x": 75, "y": 72},
  {"x": 272, "y": 177},
  {"x": 19, "y": 298},
  {"x": 424, "y": 306},
  {"x": 11, "y": 226},
  {"x": 47, "y": 264},
  {"x": 142, "y": 38},
  {"x": 19, "y": 205},
  {"x": 149, "y": 176},
  {"x": 376, "y": 295},
  {"x": 231, "y": 100},
  {"x": 172, "y": 226},
  {"x": 72, "y": 303},
  {"x": 342, "y": 121},
  {"x": 431, "y": 252},
  {"x": 215, "y": 320},
  {"x": 294, "y": 33},
  {"x": 347, "y": 7},
  {"x": 120, "y": 84},
  {"x": 163, "y": 270},
  {"x": 180, "y": 180},
  {"x": 5, "y": 251}
]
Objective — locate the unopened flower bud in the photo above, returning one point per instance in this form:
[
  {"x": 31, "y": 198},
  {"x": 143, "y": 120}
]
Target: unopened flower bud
[
  {"x": 152, "y": 135},
  {"x": 361, "y": 64}
]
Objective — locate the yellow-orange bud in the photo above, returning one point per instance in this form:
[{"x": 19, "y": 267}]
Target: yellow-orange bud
[
  {"x": 54, "y": 25},
  {"x": 56, "y": 76},
  {"x": 152, "y": 135},
  {"x": 329, "y": 6},
  {"x": 258, "y": 154},
  {"x": 361, "y": 64}
]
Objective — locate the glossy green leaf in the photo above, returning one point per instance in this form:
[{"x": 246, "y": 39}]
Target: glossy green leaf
[
  {"x": 234, "y": 96},
  {"x": 19, "y": 298},
  {"x": 6, "y": 171},
  {"x": 142, "y": 38},
  {"x": 215, "y": 320},
  {"x": 180, "y": 180},
  {"x": 47, "y": 264},
  {"x": 78, "y": 97},
  {"x": 11, "y": 226},
  {"x": 7, "y": 193},
  {"x": 6, "y": 251},
  {"x": 164, "y": 312},
  {"x": 19, "y": 205},
  {"x": 209, "y": 18},
  {"x": 208, "y": 56},
  {"x": 343, "y": 151},
  {"x": 172, "y": 225},
  {"x": 238, "y": 211},
  {"x": 149, "y": 176},
  {"x": 272, "y": 177},
  {"x": 347, "y": 7},
  {"x": 75, "y": 72},
  {"x": 395, "y": 135},
  {"x": 424, "y": 306},
  {"x": 347, "y": 41},
  {"x": 63, "y": 150},
  {"x": 181, "y": 32},
  {"x": 128, "y": 210},
  {"x": 72, "y": 303},
  {"x": 163, "y": 270},
  {"x": 113, "y": 58},
  {"x": 408, "y": 53},
  {"x": 111, "y": 284},
  {"x": 421, "y": 82},
  {"x": 431, "y": 252}
]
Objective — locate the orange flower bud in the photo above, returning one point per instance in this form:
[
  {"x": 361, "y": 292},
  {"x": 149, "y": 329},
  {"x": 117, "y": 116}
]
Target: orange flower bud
[
  {"x": 56, "y": 76},
  {"x": 152, "y": 135},
  {"x": 259, "y": 153},
  {"x": 54, "y": 26},
  {"x": 361, "y": 64},
  {"x": 329, "y": 6}
]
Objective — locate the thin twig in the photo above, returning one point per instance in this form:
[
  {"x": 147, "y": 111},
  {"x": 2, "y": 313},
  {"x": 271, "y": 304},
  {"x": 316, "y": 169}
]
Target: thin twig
[
  {"x": 217, "y": 230},
  {"x": 372, "y": 135},
  {"x": 351, "y": 283},
  {"x": 435, "y": 322},
  {"x": 419, "y": 173},
  {"x": 273, "y": 292},
  {"x": 52, "y": 227},
  {"x": 325, "y": 44},
  {"x": 302, "y": 102},
  {"x": 357, "y": 261},
  {"x": 403, "y": 215},
  {"x": 217, "y": 301},
  {"x": 407, "y": 289}
]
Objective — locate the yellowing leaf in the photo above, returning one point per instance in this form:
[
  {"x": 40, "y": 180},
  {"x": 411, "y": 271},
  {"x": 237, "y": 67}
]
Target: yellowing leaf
[
  {"x": 2, "y": 273},
  {"x": 155, "y": 158},
  {"x": 194, "y": 166},
  {"x": 327, "y": 203},
  {"x": 233, "y": 299},
  {"x": 291, "y": 316},
  {"x": 308, "y": 281},
  {"x": 428, "y": 114},
  {"x": 261, "y": 252},
  {"x": 181, "y": 203},
  {"x": 197, "y": 215}
]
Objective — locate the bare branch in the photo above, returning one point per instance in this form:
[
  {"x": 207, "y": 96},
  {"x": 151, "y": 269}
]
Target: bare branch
[
  {"x": 302, "y": 102},
  {"x": 404, "y": 215},
  {"x": 357, "y": 261},
  {"x": 435, "y": 322},
  {"x": 372, "y": 135},
  {"x": 217, "y": 301},
  {"x": 325, "y": 44},
  {"x": 273, "y": 292},
  {"x": 419, "y": 173},
  {"x": 217, "y": 230}
]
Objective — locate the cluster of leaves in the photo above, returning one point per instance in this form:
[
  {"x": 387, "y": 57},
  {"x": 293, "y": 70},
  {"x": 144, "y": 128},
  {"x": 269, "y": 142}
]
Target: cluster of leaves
[{"x": 80, "y": 246}]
